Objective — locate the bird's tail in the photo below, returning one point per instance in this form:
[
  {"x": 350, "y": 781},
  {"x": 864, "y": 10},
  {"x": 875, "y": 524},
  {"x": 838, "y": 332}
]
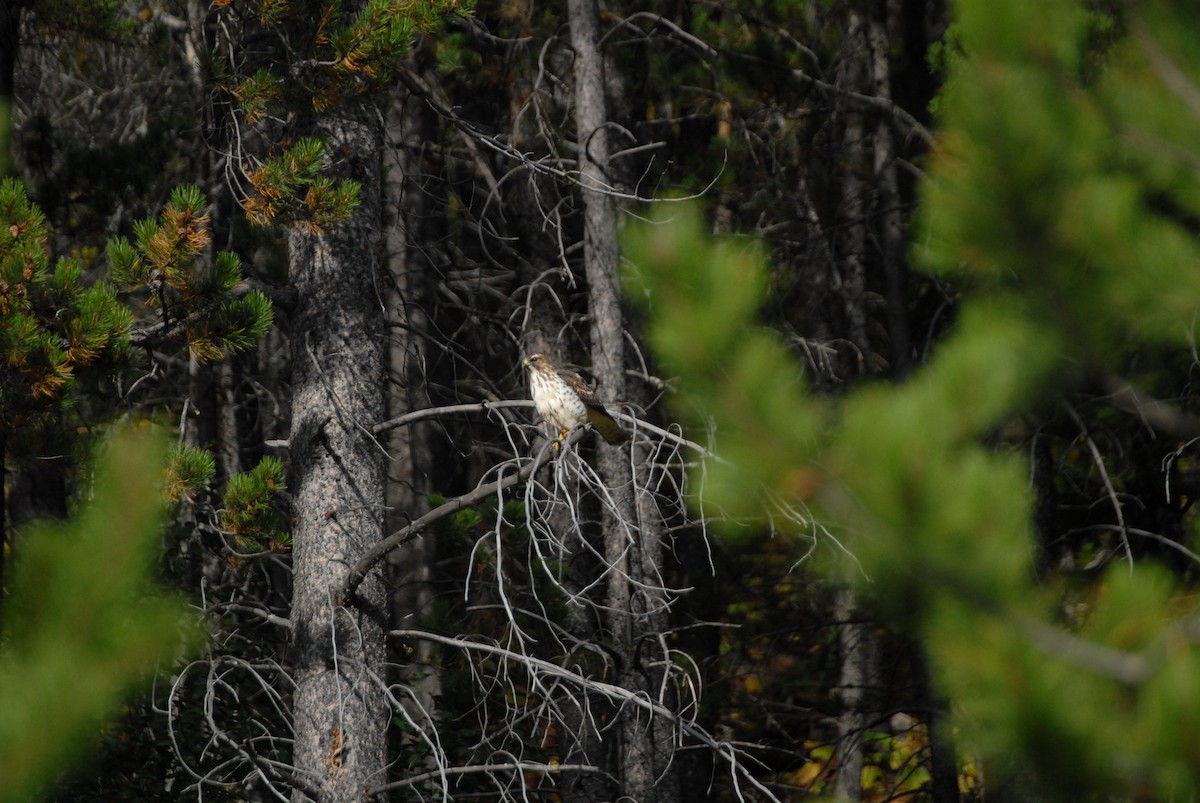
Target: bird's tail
[{"x": 606, "y": 425}]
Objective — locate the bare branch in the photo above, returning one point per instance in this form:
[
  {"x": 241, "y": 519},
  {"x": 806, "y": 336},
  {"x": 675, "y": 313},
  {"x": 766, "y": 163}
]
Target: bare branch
[
  {"x": 1161, "y": 416},
  {"x": 359, "y": 571},
  {"x": 618, "y": 694}
]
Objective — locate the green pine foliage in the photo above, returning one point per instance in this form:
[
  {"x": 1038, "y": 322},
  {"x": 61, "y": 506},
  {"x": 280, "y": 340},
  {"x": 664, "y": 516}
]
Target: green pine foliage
[
  {"x": 250, "y": 515},
  {"x": 189, "y": 469},
  {"x": 1063, "y": 202},
  {"x": 83, "y": 624},
  {"x": 291, "y": 187},
  {"x": 53, "y": 325},
  {"x": 258, "y": 95},
  {"x": 322, "y": 57},
  {"x": 196, "y": 304}
]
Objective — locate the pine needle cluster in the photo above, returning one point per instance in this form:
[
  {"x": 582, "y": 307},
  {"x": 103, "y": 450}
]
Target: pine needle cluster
[
  {"x": 319, "y": 63},
  {"x": 56, "y": 325},
  {"x": 193, "y": 302},
  {"x": 53, "y": 324},
  {"x": 291, "y": 188},
  {"x": 250, "y": 513}
]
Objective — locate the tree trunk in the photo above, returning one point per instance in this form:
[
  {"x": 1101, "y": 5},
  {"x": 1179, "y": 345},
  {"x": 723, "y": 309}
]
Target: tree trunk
[
  {"x": 858, "y": 676},
  {"x": 411, "y": 566},
  {"x": 655, "y": 737},
  {"x": 852, "y": 200},
  {"x": 642, "y": 771},
  {"x": 627, "y": 763},
  {"x": 943, "y": 765},
  {"x": 855, "y": 637},
  {"x": 340, "y": 709},
  {"x": 887, "y": 195}
]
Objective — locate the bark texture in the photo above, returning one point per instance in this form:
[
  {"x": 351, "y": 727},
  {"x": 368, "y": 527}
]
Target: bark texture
[
  {"x": 341, "y": 713},
  {"x": 887, "y": 199},
  {"x": 411, "y": 566},
  {"x": 859, "y": 675},
  {"x": 642, "y": 767},
  {"x": 852, "y": 75}
]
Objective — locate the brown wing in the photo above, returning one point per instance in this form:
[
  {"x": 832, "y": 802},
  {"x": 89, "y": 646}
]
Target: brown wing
[
  {"x": 600, "y": 419},
  {"x": 578, "y": 384}
]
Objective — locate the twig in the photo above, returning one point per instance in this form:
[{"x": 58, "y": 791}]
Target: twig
[
  {"x": 513, "y": 766},
  {"x": 1160, "y": 415},
  {"x": 612, "y": 691},
  {"x": 451, "y": 409},
  {"x": 1112, "y": 492},
  {"x": 359, "y": 571}
]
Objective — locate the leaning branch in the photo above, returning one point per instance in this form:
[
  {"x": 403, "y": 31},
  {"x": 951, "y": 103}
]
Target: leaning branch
[
  {"x": 405, "y": 534},
  {"x": 435, "y": 412}
]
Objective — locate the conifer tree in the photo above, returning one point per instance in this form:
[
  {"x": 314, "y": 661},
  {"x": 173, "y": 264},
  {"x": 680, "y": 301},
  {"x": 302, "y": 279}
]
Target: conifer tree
[
  {"x": 695, "y": 93},
  {"x": 1073, "y": 239},
  {"x": 327, "y": 187},
  {"x": 66, "y": 343}
]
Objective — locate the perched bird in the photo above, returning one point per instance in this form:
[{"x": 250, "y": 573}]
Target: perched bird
[{"x": 564, "y": 399}]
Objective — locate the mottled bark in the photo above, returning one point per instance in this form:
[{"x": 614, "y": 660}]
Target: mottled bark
[
  {"x": 655, "y": 737},
  {"x": 858, "y": 660},
  {"x": 625, "y": 763},
  {"x": 338, "y": 480}
]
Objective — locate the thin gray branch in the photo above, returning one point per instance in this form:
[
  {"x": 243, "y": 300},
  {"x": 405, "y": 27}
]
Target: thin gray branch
[{"x": 359, "y": 571}]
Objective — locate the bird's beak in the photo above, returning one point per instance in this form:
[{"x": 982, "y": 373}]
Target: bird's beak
[{"x": 525, "y": 362}]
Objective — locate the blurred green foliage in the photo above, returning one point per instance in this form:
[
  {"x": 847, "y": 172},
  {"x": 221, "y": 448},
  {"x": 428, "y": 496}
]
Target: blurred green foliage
[
  {"x": 83, "y": 623},
  {"x": 1063, "y": 200}
]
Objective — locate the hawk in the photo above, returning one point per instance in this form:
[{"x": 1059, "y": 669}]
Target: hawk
[{"x": 564, "y": 400}]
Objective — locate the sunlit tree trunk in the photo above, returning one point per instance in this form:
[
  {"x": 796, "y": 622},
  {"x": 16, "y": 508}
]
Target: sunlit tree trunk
[
  {"x": 338, "y": 480},
  {"x": 858, "y": 676},
  {"x": 856, "y": 639}
]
